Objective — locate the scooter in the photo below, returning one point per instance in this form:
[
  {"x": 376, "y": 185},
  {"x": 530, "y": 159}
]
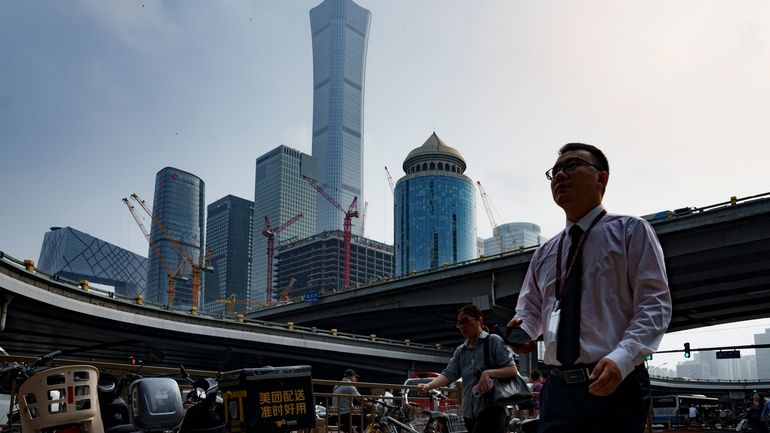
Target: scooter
[
  {"x": 205, "y": 409},
  {"x": 53, "y": 400},
  {"x": 154, "y": 404}
]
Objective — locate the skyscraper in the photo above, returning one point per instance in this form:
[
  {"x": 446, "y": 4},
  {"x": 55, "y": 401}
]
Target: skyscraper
[
  {"x": 763, "y": 355},
  {"x": 72, "y": 254},
  {"x": 229, "y": 238},
  {"x": 340, "y": 30},
  {"x": 179, "y": 205},
  {"x": 280, "y": 193},
  {"x": 435, "y": 209}
]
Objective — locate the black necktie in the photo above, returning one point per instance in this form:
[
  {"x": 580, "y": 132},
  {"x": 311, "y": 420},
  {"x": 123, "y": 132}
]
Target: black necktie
[{"x": 568, "y": 335}]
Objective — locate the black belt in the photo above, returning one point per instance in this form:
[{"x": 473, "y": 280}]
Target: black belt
[{"x": 577, "y": 373}]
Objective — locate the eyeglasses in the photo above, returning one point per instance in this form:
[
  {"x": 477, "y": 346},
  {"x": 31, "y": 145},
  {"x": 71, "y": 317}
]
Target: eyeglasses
[
  {"x": 567, "y": 167},
  {"x": 464, "y": 321}
]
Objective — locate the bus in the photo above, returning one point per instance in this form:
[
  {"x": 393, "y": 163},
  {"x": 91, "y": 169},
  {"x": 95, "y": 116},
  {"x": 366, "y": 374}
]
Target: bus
[{"x": 675, "y": 408}]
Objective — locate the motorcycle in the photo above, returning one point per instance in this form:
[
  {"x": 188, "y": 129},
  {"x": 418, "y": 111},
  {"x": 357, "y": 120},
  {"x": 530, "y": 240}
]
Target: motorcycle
[
  {"x": 154, "y": 404},
  {"x": 53, "y": 400},
  {"x": 205, "y": 408}
]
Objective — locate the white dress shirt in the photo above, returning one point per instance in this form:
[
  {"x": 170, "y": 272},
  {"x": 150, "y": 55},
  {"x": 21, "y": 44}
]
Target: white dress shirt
[{"x": 626, "y": 303}]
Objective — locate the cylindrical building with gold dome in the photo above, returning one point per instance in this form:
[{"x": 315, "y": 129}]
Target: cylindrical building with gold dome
[{"x": 435, "y": 209}]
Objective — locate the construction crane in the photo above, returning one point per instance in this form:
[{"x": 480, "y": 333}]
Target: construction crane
[
  {"x": 347, "y": 226},
  {"x": 270, "y": 233},
  {"x": 363, "y": 217},
  {"x": 197, "y": 265},
  {"x": 490, "y": 215},
  {"x": 284, "y": 298},
  {"x": 390, "y": 181},
  {"x": 230, "y": 302},
  {"x": 172, "y": 276}
]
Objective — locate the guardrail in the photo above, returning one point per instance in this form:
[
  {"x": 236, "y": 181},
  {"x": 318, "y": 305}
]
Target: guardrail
[{"x": 28, "y": 266}]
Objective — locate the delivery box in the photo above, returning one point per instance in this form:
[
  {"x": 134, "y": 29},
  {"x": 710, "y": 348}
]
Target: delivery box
[{"x": 268, "y": 400}]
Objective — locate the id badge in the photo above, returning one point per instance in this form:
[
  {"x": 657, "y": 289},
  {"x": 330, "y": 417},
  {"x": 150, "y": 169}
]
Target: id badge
[{"x": 553, "y": 325}]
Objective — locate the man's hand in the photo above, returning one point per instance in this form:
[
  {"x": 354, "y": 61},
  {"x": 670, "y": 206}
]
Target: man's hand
[
  {"x": 606, "y": 377},
  {"x": 529, "y": 347},
  {"x": 422, "y": 386}
]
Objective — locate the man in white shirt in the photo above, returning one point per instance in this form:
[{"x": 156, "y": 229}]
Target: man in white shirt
[{"x": 601, "y": 307}]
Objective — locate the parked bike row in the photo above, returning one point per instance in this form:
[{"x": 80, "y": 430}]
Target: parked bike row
[{"x": 81, "y": 399}]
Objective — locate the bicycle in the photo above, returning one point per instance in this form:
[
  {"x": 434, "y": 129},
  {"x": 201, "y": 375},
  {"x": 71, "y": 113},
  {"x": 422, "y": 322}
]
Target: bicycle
[{"x": 384, "y": 421}]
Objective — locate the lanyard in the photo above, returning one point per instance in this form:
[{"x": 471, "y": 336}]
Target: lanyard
[{"x": 562, "y": 282}]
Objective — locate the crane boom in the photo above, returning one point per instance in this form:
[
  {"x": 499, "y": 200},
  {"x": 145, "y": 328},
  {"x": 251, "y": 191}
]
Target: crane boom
[
  {"x": 490, "y": 215},
  {"x": 347, "y": 226},
  {"x": 270, "y": 234},
  {"x": 171, "y": 286},
  {"x": 390, "y": 181},
  {"x": 197, "y": 266},
  {"x": 363, "y": 217},
  {"x": 138, "y": 220}
]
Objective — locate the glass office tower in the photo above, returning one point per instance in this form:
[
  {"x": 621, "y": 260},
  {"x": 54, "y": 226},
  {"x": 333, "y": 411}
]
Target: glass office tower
[
  {"x": 229, "y": 238},
  {"x": 72, "y": 254},
  {"x": 280, "y": 193},
  {"x": 179, "y": 205},
  {"x": 513, "y": 236},
  {"x": 340, "y": 30},
  {"x": 435, "y": 209}
]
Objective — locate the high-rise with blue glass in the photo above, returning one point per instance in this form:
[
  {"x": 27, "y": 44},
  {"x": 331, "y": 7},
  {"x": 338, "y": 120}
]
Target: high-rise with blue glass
[
  {"x": 179, "y": 205},
  {"x": 340, "y": 32},
  {"x": 435, "y": 209}
]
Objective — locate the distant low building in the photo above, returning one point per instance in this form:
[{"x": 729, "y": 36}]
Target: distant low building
[
  {"x": 317, "y": 263},
  {"x": 512, "y": 236},
  {"x": 75, "y": 255}
]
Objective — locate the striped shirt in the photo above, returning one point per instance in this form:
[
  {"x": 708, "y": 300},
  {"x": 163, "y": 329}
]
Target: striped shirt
[{"x": 469, "y": 360}]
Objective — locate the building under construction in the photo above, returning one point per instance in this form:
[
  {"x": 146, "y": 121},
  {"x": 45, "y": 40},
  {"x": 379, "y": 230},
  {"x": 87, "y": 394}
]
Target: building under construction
[{"x": 317, "y": 264}]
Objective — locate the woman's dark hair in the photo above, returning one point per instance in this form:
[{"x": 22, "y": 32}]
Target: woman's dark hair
[
  {"x": 472, "y": 311},
  {"x": 535, "y": 374}
]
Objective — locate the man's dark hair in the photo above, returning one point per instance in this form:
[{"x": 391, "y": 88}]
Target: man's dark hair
[{"x": 599, "y": 159}]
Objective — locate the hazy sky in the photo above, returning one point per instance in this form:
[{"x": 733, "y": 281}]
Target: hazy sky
[{"x": 97, "y": 96}]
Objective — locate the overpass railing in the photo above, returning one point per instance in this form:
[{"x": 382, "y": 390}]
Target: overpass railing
[{"x": 84, "y": 286}]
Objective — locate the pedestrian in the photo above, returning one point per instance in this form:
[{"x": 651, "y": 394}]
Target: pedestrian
[
  {"x": 537, "y": 386},
  {"x": 345, "y": 404},
  {"x": 598, "y": 293},
  {"x": 468, "y": 363},
  {"x": 692, "y": 416},
  {"x": 754, "y": 412}
]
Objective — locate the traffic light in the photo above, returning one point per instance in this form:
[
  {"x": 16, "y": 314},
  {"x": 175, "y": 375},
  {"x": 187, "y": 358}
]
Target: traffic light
[
  {"x": 686, "y": 350},
  {"x": 649, "y": 357},
  {"x": 132, "y": 360}
]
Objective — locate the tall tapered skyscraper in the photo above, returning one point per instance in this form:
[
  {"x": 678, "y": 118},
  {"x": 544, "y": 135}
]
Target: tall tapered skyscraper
[{"x": 340, "y": 31}]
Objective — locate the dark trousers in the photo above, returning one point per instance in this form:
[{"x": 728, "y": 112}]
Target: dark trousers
[
  {"x": 570, "y": 408},
  {"x": 492, "y": 420}
]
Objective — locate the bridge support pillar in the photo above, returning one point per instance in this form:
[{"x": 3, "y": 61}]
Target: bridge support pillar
[{"x": 527, "y": 362}]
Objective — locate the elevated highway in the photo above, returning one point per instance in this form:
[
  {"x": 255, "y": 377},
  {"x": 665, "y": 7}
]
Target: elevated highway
[
  {"x": 41, "y": 314},
  {"x": 717, "y": 259},
  {"x": 725, "y": 390}
]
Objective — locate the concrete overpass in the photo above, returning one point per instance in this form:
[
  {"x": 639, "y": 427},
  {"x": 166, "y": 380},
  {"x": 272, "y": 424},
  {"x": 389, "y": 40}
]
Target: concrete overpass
[
  {"x": 42, "y": 313},
  {"x": 736, "y": 390},
  {"x": 717, "y": 258}
]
